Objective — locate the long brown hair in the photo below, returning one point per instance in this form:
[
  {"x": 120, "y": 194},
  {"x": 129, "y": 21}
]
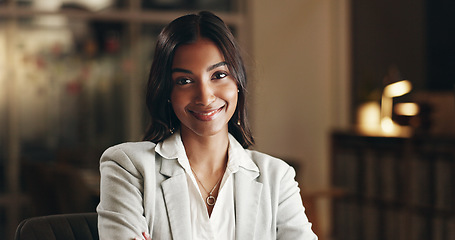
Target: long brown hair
[{"x": 184, "y": 30}]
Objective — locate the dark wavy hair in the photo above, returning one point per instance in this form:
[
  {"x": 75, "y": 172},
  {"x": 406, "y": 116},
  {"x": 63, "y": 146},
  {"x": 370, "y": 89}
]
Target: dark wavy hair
[{"x": 184, "y": 30}]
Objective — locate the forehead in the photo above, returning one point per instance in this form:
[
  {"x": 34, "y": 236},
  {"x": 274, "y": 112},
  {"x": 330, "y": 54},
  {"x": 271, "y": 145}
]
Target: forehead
[{"x": 203, "y": 52}]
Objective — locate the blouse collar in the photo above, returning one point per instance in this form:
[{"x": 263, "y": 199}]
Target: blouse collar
[{"x": 172, "y": 148}]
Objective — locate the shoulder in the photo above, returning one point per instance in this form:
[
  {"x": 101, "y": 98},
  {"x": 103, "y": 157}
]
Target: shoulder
[
  {"x": 269, "y": 166},
  {"x": 130, "y": 149},
  {"x": 277, "y": 176},
  {"x": 265, "y": 160},
  {"x": 130, "y": 155}
]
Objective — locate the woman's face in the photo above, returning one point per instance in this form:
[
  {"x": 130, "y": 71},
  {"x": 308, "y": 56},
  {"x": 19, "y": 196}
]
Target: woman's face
[{"x": 204, "y": 94}]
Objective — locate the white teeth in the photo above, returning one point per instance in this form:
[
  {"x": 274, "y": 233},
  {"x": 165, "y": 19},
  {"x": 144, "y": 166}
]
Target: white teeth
[{"x": 209, "y": 113}]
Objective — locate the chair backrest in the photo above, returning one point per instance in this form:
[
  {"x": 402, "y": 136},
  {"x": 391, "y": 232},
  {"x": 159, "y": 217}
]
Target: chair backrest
[{"x": 77, "y": 226}]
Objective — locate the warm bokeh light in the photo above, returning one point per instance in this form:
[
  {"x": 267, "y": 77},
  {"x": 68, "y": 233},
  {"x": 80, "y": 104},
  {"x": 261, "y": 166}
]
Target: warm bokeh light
[
  {"x": 387, "y": 125},
  {"x": 390, "y": 128},
  {"x": 406, "y": 109},
  {"x": 368, "y": 118},
  {"x": 397, "y": 89},
  {"x": 93, "y": 5}
]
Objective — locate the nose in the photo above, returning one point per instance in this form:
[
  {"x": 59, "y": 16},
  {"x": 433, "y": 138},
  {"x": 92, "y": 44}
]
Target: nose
[{"x": 205, "y": 94}]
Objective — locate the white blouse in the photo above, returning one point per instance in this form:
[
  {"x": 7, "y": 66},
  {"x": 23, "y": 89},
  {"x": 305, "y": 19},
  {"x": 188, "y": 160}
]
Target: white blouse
[{"x": 221, "y": 223}]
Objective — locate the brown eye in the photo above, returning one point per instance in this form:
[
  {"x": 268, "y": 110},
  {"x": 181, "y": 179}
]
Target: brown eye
[
  {"x": 183, "y": 81},
  {"x": 219, "y": 75}
]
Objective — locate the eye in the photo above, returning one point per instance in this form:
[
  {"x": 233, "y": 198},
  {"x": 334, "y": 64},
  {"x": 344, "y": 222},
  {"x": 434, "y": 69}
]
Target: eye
[
  {"x": 183, "y": 81},
  {"x": 219, "y": 75}
]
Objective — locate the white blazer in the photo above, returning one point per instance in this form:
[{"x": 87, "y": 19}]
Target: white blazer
[{"x": 144, "y": 189}]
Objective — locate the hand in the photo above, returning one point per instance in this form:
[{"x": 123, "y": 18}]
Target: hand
[{"x": 145, "y": 235}]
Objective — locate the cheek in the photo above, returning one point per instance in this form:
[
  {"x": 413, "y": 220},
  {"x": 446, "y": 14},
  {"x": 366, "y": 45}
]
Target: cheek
[
  {"x": 231, "y": 94},
  {"x": 177, "y": 101},
  {"x": 234, "y": 97}
]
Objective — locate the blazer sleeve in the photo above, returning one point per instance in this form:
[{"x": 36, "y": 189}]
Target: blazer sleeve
[
  {"x": 120, "y": 211},
  {"x": 292, "y": 223}
]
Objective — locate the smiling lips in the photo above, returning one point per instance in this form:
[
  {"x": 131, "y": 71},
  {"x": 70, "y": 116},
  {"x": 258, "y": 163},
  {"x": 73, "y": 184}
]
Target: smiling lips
[{"x": 206, "y": 115}]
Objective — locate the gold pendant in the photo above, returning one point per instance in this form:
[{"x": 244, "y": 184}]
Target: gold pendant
[{"x": 210, "y": 200}]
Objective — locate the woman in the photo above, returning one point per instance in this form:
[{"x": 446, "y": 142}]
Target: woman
[{"x": 193, "y": 177}]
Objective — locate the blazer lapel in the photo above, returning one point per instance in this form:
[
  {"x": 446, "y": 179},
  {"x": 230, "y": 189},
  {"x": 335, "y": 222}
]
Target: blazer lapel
[
  {"x": 247, "y": 196},
  {"x": 176, "y": 196}
]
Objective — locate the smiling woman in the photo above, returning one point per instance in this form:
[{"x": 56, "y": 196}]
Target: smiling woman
[
  {"x": 194, "y": 176},
  {"x": 182, "y": 31},
  {"x": 204, "y": 95}
]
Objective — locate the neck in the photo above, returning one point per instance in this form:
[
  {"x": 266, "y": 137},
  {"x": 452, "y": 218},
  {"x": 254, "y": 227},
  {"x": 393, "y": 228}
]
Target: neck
[{"x": 206, "y": 153}]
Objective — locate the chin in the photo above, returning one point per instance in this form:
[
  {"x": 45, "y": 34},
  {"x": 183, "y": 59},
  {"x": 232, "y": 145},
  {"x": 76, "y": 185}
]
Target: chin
[{"x": 204, "y": 131}]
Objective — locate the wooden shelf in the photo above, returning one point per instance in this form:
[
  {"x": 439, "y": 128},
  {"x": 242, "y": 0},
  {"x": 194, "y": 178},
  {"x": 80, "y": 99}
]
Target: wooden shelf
[{"x": 410, "y": 179}]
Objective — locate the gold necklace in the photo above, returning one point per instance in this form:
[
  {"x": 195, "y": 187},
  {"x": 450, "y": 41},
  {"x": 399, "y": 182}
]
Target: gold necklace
[{"x": 210, "y": 200}]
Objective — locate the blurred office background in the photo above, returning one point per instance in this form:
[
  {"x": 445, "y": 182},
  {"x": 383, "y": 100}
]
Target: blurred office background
[{"x": 72, "y": 77}]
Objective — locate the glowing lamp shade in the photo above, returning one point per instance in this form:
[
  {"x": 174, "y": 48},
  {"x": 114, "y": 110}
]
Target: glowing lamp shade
[{"x": 397, "y": 89}]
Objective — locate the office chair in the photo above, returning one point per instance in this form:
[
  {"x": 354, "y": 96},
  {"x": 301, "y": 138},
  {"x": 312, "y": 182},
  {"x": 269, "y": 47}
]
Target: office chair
[{"x": 76, "y": 226}]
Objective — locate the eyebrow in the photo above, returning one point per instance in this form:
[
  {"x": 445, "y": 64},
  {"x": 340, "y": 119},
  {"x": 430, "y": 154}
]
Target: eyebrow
[{"x": 210, "y": 68}]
